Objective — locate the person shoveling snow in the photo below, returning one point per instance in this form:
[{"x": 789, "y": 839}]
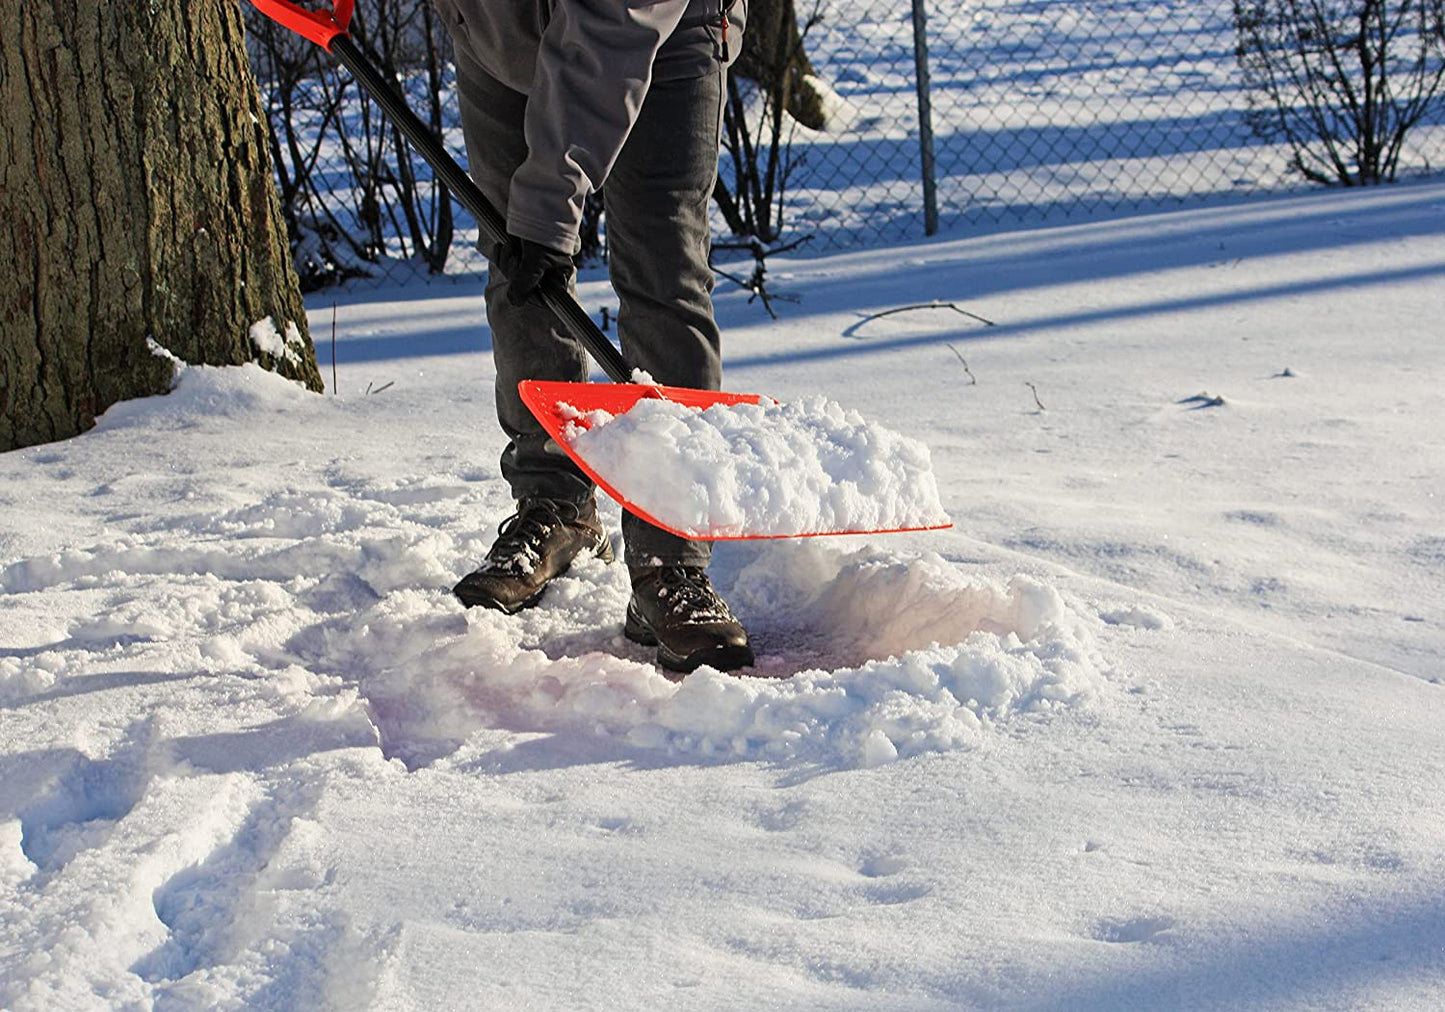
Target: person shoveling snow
[
  {"x": 554, "y": 103},
  {"x": 544, "y": 127}
]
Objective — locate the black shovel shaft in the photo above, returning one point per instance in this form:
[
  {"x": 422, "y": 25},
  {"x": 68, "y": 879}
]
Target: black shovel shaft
[{"x": 554, "y": 294}]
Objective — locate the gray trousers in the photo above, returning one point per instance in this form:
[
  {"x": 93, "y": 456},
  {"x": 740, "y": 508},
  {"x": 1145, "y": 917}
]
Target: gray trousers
[{"x": 657, "y": 198}]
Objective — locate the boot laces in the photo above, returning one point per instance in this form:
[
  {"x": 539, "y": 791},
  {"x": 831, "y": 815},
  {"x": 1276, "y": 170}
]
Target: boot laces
[
  {"x": 517, "y": 549},
  {"x": 691, "y": 594}
]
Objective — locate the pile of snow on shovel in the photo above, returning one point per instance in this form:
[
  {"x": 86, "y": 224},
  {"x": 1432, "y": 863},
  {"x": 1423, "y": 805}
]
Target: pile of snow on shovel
[{"x": 762, "y": 470}]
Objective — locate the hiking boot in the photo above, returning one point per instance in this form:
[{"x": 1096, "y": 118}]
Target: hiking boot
[
  {"x": 534, "y": 545},
  {"x": 677, "y": 610}
]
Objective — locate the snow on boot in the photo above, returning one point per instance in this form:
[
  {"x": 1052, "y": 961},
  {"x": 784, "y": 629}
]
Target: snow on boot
[
  {"x": 534, "y": 545},
  {"x": 676, "y": 609}
]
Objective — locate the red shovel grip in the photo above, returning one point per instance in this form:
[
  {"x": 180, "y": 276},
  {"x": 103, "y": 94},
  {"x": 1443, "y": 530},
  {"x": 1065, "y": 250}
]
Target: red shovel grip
[{"x": 321, "y": 27}]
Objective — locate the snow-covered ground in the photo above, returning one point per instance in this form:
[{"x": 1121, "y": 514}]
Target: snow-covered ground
[{"x": 1160, "y": 723}]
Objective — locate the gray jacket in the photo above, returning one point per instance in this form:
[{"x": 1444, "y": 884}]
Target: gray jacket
[{"x": 585, "y": 67}]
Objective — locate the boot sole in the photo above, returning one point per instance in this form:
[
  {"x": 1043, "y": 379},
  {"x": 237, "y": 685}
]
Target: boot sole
[
  {"x": 725, "y": 658},
  {"x": 480, "y": 601}
]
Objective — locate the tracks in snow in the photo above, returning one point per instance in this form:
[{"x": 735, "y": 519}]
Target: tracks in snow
[{"x": 145, "y": 876}]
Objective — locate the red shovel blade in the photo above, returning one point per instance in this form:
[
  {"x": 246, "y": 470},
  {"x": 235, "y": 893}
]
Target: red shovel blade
[
  {"x": 320, "y": 26},
  {"x": 561, "y": 407},
  {"x": 542, "y": 397}
]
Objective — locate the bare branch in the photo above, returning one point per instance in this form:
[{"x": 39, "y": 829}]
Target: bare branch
[
  {"x": 973, "y": 380},
  {"x": 924, "y": 305}
]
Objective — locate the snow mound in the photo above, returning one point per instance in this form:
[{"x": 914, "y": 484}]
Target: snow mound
[
  {"x": 20, "y": 678},
  {"x": 204, "y": 396},
  {"x": 767, "y": 469},
  {"x": 863, "y": 656},
  {"x": 1136, "y": 616},
  {"x": 940, "y": 659}
]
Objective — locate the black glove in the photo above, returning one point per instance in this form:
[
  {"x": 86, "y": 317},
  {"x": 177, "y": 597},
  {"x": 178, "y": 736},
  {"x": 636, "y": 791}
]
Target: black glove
[{"x": 528, "y": 265}]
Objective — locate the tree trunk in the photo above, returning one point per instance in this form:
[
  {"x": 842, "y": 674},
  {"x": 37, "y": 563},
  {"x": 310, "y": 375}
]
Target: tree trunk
[
  {"x": 774, "y": 58},
  {"x": 136, "y": 203}
]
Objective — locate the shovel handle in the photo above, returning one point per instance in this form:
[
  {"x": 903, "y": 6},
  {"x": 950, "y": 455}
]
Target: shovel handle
[{"x": 328, "y": 29}]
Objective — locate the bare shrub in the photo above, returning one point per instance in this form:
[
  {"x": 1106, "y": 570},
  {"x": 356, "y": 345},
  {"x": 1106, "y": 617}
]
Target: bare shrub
[{"x": 1341, "y": 83}]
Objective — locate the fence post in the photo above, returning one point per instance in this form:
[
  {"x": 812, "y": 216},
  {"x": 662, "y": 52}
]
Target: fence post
[{"x": 925, "y": 119}]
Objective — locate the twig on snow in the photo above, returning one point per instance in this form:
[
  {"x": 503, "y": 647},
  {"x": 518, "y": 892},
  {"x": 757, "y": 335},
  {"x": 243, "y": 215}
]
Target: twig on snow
[
  {"x": 928, "y": 305},
  {"x": 1035, "y": 391},
  {"x": 757, "y": 283},
  {"x": 973, "y": 380}
]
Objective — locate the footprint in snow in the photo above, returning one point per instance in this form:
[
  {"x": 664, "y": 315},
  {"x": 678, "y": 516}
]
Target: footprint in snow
[
  {"x": 1125, "y": 931},
  {"x": 80, "y": 805},
  {"x": 198, "y": 901}
]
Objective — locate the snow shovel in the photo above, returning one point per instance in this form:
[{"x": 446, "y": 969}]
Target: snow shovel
[{"x": 701, "y": 503}]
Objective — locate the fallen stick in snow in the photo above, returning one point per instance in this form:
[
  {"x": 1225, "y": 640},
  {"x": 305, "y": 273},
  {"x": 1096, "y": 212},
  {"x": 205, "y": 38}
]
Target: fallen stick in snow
[
  {"x": 923, "y": 305},
  {"x": 972, "y": 378}
]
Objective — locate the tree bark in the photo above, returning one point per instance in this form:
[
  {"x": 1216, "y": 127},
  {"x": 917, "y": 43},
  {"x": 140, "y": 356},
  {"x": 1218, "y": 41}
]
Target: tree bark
[
  {"x": 773, "y": 57},
  {"x": 136, "y": 203}
]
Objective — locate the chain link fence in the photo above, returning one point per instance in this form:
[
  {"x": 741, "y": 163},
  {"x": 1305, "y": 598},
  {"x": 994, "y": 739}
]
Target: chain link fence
[{"x": 1040, "y": 110}]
